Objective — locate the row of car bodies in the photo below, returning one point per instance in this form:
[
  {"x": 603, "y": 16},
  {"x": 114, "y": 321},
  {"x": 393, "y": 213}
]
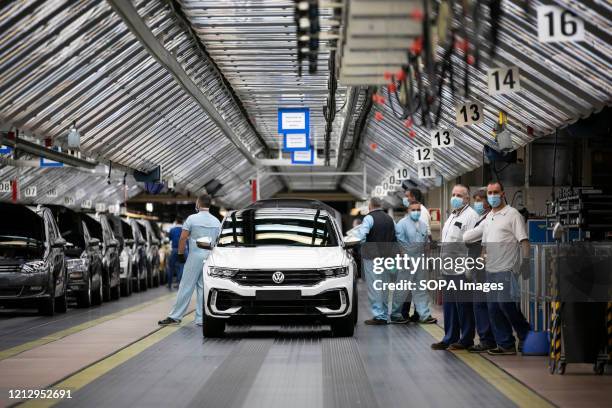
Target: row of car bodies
[{"x": 50, "y": 253}]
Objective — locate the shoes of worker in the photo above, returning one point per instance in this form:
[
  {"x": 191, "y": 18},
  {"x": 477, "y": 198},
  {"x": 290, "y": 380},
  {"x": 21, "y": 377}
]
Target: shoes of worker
[
  {"x": 415, "y": 318},
  {"x": 429, "y": 320},
  {"x": 375, "y": 322},
  {"x": 458, "y": 346},
  {"x": 501, "y": 351},
  {"x": 439, "y": 346},
  {"x": 399, "y": 320},
  {"x": 168, "y": 321},
  {"x": 520, "y": 346},
  {"x": 198, "y": 324},
  {"x": 480, "y": 348}
]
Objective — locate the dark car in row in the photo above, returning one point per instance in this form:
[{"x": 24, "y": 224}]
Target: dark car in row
[{"x": 32, "y": 260}]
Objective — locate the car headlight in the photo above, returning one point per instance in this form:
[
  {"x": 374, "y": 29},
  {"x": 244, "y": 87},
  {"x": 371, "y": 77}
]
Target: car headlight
[
  {"x": 222, "y": 272},
  {"x": 335, "y": 272},
  {"x": 33, "y": 267}
]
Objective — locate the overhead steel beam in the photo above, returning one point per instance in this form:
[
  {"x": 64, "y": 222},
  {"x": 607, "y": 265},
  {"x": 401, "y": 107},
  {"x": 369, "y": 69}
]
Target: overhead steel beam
[
  {"x": 141, "y": 31},
  {"x": 50, "y": 154}
]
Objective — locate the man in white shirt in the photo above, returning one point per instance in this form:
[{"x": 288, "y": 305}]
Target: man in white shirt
[
  {"x": 415, "y": 195},
  {"x": 506, "y": 245},
  {"x": 458, "y": 313}
]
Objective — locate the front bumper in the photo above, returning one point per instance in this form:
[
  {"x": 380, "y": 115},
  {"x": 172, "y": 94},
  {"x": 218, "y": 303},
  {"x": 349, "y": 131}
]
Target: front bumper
[
  {"x": 23, "y": 286},
  {"x": 331, "y": 298}
]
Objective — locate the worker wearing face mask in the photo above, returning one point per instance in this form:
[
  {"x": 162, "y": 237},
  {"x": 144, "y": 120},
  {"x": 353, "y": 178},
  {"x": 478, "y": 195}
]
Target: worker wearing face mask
[
  {"x": 507, "y": 251},
  {"x": 473, "y": 239},
  {"x": 411, "y": 233},
  {"x": 458, "y": 311}
]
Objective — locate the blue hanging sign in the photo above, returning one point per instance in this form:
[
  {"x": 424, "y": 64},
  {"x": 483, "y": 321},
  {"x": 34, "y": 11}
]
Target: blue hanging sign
[
  {"x": 5, "y": 149},
  {"x": 51, "y": 163},
  {"x": 296, "y": 141},
  {"x": 302, "y": 156},
  {"x": 293, "y": 120}
]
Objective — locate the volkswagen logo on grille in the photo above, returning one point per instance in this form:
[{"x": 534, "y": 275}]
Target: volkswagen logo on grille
[{"x": 278, "y": 277}]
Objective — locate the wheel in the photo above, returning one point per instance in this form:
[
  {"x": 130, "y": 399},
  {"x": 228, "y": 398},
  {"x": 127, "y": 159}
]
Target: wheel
[
  {"x": 125, "y": 288},
  {"x": 115, "y": 292},
  {"x": 599, "y": 367},
  {"x": 345, "y": 326},
  {"x": 561, "y": 368},
  {"x": 61, "y": 303},
  {"x": 212, "y": 327},
  {"x": 84, "y": 299},
  {"x": 135, "y": 285},
  {"x": 143, "y": 284},
  {"x": 97, "y": 295},
  {"x": 106, "y": 291},
  {"x": 46, "y": 307}
]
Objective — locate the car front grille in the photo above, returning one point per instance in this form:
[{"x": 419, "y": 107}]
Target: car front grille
[
  {"x": 305, "y": 306},
  {"x": 10, "y": 268},
  {"x": 10, "y": 291},
  {"x": 295, "y": 277}
]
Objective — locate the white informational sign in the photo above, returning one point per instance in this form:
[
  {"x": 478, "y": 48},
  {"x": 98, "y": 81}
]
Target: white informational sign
[
  {"x": 556, "y": 24},
  {"x": 5, "y": 186},
  {"x": 503, "y": 80},
  {"x": 426, "y": 171},
  {"x": 87, "y": 204},
  {"x": 100, "y": 207},
  {"x": 394, "y": 181},
  {"x": 293, "y": 120},
  {"x": 442, "y": 138},
  {"x": 52, "y": 193},
  {"x": 423, "y": 154},
  {"x": 113, "y": 209},
  {"x": 30, "y": 192},
  {"x": 469, "y": 113},
  {"x": 296, "y": 141},
  {"x": 302, "y": 156},
  {"x": 379, "y": 191},
  {"x": 69, "y": 200},
  {"x": 402, "y": 173}
]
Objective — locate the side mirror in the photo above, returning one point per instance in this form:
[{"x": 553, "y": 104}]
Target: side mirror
[
  {"x": 166, "y": 240},
  {"x": 142, "y": 242},
  {"x": 113, "y": 243},
  {"x": 129, "y": 242},
  {"x": 351, "y": 241},
  {"x": 204, "y": 243},
  {"x": 93, "y": 242},
  {"x": 59, "y": 243}
]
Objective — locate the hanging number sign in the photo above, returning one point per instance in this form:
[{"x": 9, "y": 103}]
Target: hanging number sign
[
  {"x": 556, "y": 24},
  {"x": 69, "y": 200},
  {"x": 100, "y": 207},
  {"x": 30, "y": 192},
  {"x": 402, "y": 173},
  {"x": 426, "y": 171},
  {"x": 52, "y": 193},
  {"x": 423, "y": 154},
  {"x": 469, "y": 113},
  {"x": 503, "y": 80},
  {"x": 87, "y": 204},
  {"x": 442, "y": 138},
  {"x": 5, "y": 186}
]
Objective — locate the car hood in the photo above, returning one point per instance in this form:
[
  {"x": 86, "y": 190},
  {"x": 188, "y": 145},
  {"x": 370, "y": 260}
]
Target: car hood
[{"x": 277, "y": 257}]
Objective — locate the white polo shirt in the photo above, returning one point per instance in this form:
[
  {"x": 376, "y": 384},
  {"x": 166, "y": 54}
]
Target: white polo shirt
[
  {"x": 502, "y": 232},
  {"x": 426, "y": 218},
  {"x": 455, "y": 226}
]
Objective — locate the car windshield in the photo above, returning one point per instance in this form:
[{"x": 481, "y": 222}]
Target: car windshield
[
  {"x": 265, "y": 227},
  {"x": 21, "y": 233}
]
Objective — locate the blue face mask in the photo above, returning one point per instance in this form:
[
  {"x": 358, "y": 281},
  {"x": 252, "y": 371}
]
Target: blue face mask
[
  {"x": 456, "y": 202},
  {"x": 405, "y": 201},
  {"x": 479, "y": 207},
  {"x": 415, "y": 215},
  {"x": 494, "y": 200}
]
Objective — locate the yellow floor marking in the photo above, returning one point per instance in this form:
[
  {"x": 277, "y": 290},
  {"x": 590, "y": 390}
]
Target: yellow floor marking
[
  {"x": 79, "y": 380},
  {"x": 10, "y": 352},
  {"x": 514, "y": 390}
]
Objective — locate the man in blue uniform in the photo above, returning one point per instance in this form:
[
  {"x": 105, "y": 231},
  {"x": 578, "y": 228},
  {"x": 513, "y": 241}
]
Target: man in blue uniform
[
  {"x": 412, "y": 234},
  {"x": 199, "y": 225},
  {"x": 174, "y": 266}
]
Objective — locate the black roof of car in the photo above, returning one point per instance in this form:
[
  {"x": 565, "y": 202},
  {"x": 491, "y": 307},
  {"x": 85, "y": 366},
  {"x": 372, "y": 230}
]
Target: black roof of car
[{"x": 291, "y": 203}]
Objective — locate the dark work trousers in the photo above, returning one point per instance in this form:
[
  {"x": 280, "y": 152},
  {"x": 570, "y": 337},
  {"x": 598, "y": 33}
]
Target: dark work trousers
[
  {"x": 458, "y": 316},
  {"x": 481, "y": 313}
]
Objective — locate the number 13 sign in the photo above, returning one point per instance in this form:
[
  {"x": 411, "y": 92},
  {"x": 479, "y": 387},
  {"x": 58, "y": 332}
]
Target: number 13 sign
[{"x": 469, "y": 113}]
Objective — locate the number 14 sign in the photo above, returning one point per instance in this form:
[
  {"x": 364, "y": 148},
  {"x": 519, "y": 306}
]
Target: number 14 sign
[{"x": 503, "y": 80}]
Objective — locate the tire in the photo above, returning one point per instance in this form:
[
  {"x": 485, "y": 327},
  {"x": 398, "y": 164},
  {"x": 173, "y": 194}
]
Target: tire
[
  {"x": 212, "y": 327},
  {"x": 143, "y": 284},
  {"x": 106, "y": 292},
  {"x": 85, "y": 299},
  {"x": 61, "y": 303},
  {"x": 125, "y": 288},
  {"x": 135, "y": 285},
  {"x": 97, "y": 295},
  {"x": 115, "y": 292},
  {"x": 46, "y": 307},
  {"x": 345, "y": 326}
]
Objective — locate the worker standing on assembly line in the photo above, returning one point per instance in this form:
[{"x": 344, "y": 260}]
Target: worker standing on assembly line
[
  {"x": 411, "y": 234},
  {"x": 458, "y": 311},
  {"x": 378, "y": 231},
  {"x": 473, "y": 239},
  {"x": 174, "y": 267},
  {"x": 199, "y": 225},
  {"x": 506, "y": 246}
]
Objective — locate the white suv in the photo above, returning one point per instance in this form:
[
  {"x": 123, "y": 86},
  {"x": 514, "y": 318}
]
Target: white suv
[{"x": 277, "y": 261}]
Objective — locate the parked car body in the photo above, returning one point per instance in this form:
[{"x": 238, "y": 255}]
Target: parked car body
[
  {"x": 133, "y": 237},
  {"x": 99, "y": 227},
  {"x": 127, "y": 261},
  {"x": 280, "y": 263},
  {"x": 32, "y": 260},
  {"x": 83, "y": 256},
  {"x": 152, "y": 246}
]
